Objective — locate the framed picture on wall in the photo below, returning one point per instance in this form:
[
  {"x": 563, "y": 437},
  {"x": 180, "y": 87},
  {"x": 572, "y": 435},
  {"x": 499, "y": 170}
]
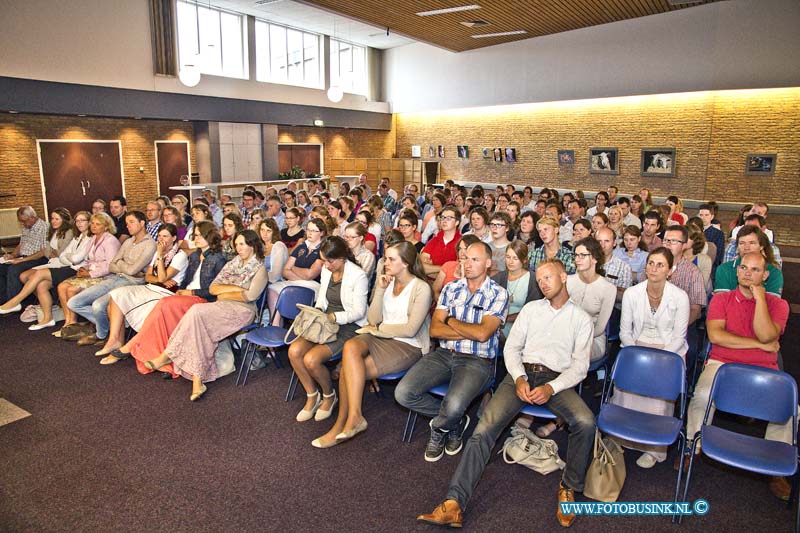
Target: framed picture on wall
[
  {"x": 511, "y": 155},
  {"x": 487, "y": 153},
  {"x": 498, "y": 154},
  {"x": 658, "y": 162},
  {"x": 463, "y": 151},
  {"x": 761, "y": 164},
  {"x": 416, "y": 150},
  {"x": 603, "y": 161},
  {"x": 441, "y": 150},
  {"x": 431, "y": 151},
  {"x": 566, "y": 157}
]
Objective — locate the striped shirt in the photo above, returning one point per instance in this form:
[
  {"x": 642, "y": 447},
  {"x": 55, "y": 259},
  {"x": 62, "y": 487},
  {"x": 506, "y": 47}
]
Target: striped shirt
[
  {"x": 33, "y": 239},
  {"x": 685, "y": 275},
  {"x": 489, "y": 300},
  {"x": 732, "y": 253},
  {"x": 618, "y": 272}
]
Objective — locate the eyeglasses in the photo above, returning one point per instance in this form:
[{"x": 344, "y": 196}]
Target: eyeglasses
[
  {"x": 670, "y": 242},
  {"x": 311, "y": 230},
  {"x": 582, "y": 256},
  {"x": 405, "y": 226},
  {"x": 497, "y": 225},
  {"x": 448, "y": 218}
]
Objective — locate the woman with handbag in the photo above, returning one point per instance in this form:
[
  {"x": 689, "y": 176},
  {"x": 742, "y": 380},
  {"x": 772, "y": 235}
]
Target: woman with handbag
[
  {"x": 343, "y": 297},
  {"x": 395, "y": 338},
  {"x": 205, "y": 263},
  {"x": 655, "y": 313},
  {"x": 193, "y": 343},
  {"x": 133, "y": 303}
]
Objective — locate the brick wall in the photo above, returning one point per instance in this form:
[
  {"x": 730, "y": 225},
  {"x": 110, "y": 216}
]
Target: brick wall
[
  {"x": 712, "y": 133},
  {"x": 19, "y": 163}
]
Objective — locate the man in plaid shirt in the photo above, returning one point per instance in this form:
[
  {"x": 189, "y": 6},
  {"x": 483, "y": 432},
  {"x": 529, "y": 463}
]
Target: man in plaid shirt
[
  {"x": 467, "y": 321},
  {"x": 617, "y": 271},
  {"x": 32, "y": 240}
]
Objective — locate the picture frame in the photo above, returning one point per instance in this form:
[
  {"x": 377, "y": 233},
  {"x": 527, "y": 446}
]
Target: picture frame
[
  {"x": 498, "y": 155},
  {"x": 761, "y": 164},
  {"x": 416, "y": 150},
  {"x": 658, "y": 162},
  {"x": 463, "y": 151},
  {"x": 431, "y": 151},
  {"x": 603, "y": 161},
  {"x": 566, "y": 157},
  {"x": 487, "y": 153},
  {"x": 441, "y": 150},
  {"x": 511, "y": 155}
]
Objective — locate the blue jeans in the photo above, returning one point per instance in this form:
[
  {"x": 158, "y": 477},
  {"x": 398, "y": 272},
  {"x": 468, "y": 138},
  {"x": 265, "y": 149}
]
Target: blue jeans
[
  {"x": 468, "y": 375},
  {"x": 503, "y": 407},
  {"x": 92, "y": 303}
]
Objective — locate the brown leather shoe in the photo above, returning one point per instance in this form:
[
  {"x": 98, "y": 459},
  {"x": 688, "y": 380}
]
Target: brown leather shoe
[
  {"x": 565, "y": 495},
  {"x": 446, "y": 514},
  {"x": 87, "y": 340},
  {"x": 780, "y": 488}
]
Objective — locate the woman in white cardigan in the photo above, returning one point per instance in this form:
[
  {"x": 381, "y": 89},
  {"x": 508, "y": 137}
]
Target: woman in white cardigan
[
  {"x": 395, "y": 338},
  {"x": 343, "y": 295},
  {"x": 655, "y": 314}
]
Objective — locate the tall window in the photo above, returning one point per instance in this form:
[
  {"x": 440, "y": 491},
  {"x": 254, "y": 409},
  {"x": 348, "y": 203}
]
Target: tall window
[
  {"x": 286, "y": 55},
  {"x": 223, "y": 39},
  {"x": 349, "y": 67}
]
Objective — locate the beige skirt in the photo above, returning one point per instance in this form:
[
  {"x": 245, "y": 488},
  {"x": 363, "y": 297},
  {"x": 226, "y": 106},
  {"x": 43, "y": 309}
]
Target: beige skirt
[{"x": 390, "y": 355}]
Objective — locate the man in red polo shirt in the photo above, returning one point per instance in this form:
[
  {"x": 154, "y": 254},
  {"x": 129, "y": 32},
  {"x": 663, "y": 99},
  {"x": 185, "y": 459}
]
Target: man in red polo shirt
[
  {"x": 744, "y": 326},
  {"x": 442, "y": 247}
]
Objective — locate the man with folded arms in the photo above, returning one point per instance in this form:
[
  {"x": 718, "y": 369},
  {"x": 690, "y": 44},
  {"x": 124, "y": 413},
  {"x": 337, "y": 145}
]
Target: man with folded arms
[
  {"x": 127, "y": 268},
  {"x": 744, "y": 326},
  {"x": 467, "y": 321},
  {"x": 547, "y": 354}
]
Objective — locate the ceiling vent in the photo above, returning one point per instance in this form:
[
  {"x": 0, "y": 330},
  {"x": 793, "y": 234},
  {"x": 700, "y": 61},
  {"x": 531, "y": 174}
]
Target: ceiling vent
[{"x": 475, "y": 23}]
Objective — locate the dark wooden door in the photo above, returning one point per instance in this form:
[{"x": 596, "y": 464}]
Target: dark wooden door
[
  {"x": 76, "y": 173},
  {"x": 305, "y": 156},
  {"x": 172, "y": 162}
]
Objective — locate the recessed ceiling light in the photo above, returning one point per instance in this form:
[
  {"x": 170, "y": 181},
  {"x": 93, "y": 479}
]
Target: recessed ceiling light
[
  {"x": 447, "y": 10},
  {"x": 80, "y": 115},
  {"x": 475, "y": 23},
  {"x": 501, "y": 34},
  {"x": 13, "y": 112}
]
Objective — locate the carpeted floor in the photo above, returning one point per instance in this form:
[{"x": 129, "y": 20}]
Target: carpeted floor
[{"x": 107, "y": 448}]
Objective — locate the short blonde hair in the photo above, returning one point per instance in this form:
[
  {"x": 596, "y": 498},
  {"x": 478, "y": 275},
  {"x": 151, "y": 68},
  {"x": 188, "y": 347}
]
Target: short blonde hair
[
  {"x": 548, "y": 221},
  {"x": 106, "y": 220}
]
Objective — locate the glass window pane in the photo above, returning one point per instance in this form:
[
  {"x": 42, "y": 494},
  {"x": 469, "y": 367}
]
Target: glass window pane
[
  {"x": 262, "y": 51},
  {"x": 210, "y": 48},
  {"x": 277, "y": 39},
  {"x": 294, "y": 40},
  {"x": 187, "y": 33},
  {"x": 311, "y": 59},
  {"x": 232, "y": 41}
]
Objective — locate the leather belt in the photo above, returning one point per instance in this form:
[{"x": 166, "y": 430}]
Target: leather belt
[{"x": 535, "y": 367}]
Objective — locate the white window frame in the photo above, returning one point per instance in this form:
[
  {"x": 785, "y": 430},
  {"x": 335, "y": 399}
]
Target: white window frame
[
  {"x": 349, "y": 85},
  {"x": 265, "y": 53},
  {"x": 243, "y": 68}
]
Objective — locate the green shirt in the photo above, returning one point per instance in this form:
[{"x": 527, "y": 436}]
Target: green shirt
[{"x": 726, "y": 280}]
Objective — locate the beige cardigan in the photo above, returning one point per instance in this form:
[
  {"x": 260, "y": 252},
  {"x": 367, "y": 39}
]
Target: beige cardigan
[{"x": 418, "y": 325}]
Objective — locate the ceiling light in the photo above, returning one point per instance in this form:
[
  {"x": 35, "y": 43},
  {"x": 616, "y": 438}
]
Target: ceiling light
[
  {"x": 475, "y": 23},
  {"x": 447, "y": 10},
  {"x": 335, "y": 94},
  {"x": 501, "y": 34},
  {"x": 13, "y": 112},
  {"x": 319, "y": 122}
]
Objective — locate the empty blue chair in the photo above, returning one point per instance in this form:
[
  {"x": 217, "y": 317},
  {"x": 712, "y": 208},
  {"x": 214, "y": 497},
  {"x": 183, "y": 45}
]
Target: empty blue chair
[
  {"x": 756, "y": 392},
  {"x": 648, "y": 372},
  {"x": 272, "y": 337}
]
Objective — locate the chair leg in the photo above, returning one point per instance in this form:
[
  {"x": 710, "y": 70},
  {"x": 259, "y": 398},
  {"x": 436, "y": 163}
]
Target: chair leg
[
  {"x": 241, "y": 366},
  {"x": 292, "y": 387},
  {"x": 682, "y": 451},
  {"x": 692, "y": 448},
  {"x": 247, "y": 359},
  {"x": 408, "y": 431}
]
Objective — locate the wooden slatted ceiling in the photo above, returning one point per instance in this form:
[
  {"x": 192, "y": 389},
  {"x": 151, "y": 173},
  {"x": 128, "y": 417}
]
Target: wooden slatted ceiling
[{"x": 536, "y": 17}]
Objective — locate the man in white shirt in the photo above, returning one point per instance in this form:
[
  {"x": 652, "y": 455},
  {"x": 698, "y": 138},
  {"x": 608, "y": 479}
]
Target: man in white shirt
[
  {"x": 573, "y": 215},
  {"x": 762, "y": 209},
  {"x": 546, "y": 355}
]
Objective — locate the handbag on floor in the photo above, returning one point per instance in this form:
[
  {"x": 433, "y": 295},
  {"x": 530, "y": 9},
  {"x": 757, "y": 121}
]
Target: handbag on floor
[
  {"x": 525, "y": 448},
  {"x": 606, "y": 474},
  {"x": 313, "y": 325}
]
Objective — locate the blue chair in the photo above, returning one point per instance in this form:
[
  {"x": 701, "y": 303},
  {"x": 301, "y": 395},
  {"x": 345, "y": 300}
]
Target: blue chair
[
  {"x": 261, "y": 304},
  {"x": 272, "y": 337},
  {"x": 755, "y": 392},
  {"x": 441, "y": 390},
  {"x": 648, "y": 372}
]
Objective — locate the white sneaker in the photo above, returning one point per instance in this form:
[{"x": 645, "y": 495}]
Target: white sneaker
[{"x": 646, "y": 461}]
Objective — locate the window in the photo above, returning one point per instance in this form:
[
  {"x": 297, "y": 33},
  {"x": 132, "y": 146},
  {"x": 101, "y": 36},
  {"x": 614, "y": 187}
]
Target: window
[
  {"x": 349, "y": 67},
  {"x": 223, "y": 40},
  {"x": 286, "y": 55}
]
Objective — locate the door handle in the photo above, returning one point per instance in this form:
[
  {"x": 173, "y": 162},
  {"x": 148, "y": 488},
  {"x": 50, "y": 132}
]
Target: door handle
[
  {"x": 83, "y": 189},
  {"x": 88, "y": 184}
]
